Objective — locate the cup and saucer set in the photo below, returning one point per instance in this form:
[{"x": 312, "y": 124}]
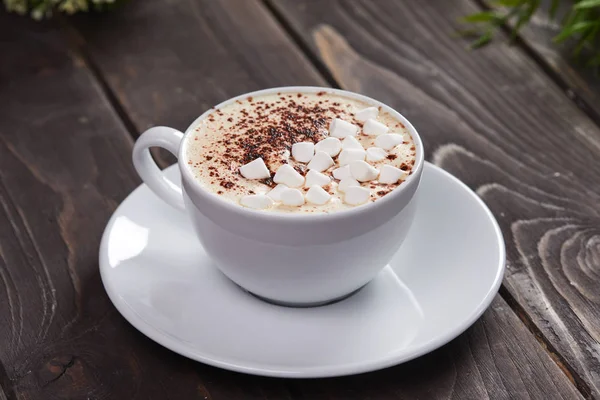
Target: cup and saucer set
[{"x": 299, "y": 295}]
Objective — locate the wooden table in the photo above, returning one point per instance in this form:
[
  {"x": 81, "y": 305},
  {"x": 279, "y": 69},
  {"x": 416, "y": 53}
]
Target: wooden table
[{"x": 519, "y": 124}]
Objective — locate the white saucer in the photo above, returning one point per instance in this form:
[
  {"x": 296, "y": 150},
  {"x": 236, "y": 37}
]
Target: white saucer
[{"x": 441, "y": 280}]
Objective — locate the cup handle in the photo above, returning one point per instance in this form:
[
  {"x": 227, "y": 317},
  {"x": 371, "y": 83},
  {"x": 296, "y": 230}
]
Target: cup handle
[{"x": 169, "y": 139}]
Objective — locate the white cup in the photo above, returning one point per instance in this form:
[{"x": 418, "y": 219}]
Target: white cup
[{"x": 292, "y": 259}]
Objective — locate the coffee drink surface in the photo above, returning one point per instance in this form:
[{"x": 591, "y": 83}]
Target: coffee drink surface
[{"x": 267, "y": 127}]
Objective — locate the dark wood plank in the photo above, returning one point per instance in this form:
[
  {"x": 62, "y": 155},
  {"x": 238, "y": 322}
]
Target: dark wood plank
[
  {"x": 495, "y": 359},
  {"x": 64, "y": 167},
  {"x": 494, "y": 119},
  {"x": 213, "y": 51}
]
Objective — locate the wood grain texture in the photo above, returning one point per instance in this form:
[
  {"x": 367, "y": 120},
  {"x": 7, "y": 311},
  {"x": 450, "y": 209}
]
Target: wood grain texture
[
  {"x": 495, "y": 120},
  {"x": 495, "y": 359},
  {"x": 64, "y": 167},
  {"x": 169, "y": 61}
]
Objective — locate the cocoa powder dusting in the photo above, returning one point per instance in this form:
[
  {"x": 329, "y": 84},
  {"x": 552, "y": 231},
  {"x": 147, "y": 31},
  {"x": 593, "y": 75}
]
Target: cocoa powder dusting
[
  {"x": 268, "y": 130},
  {"x": 266, "y": 136}
]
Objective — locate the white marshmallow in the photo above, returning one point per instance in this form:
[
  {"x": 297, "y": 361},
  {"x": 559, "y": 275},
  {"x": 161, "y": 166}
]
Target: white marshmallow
[
  {"x": 390, "y": 174},
  {"x": 374, "y": 127},
  {"x": 356, "y": 195},
  {"x": 288, "y": 176},
  {"x": 303, "y": 151},
  {"x": 317, "y": 195},
  {"x": 256, "y": 201},
  {"x": 349, "y": 155},
  {"x": 340, "y": 128},
  {"x": 255, "y": 169},
  {"x": 330, "y": 145},
  {"x": 347, "y": 183},
  {"x": 275, "y": 193},
  {"x": 362, "y": 171},
  {"x": 375, "y": 154},
  {"x": 350, "y": 142},
  {"x": 320, "y": 162},
  {"x": 367, "y": 113},
  {"x": 389, "y": 140},
  {"x": 316, "y": 178},
  {"x": 292, "y": 197},
  {"x": 342, "y": 172}
]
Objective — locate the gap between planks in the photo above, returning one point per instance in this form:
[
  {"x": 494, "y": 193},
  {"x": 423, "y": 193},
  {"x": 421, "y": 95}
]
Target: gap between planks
[
  {"x": 299, "y": 42},
  {"x": 558, "y": 359},
  {"x": 76, "y": 44},
  {"x": 566, "y": 369}
]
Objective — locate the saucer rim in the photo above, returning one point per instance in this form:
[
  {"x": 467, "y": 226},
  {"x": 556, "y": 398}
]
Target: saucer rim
[{"x": 393, "y": 359}]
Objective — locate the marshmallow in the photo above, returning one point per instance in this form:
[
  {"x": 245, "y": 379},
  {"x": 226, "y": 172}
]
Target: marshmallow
[
  {"x": 342, "y": 172},
  {"x": 356, "y": 195},
  {"x": 330, "y": 145},
  {"x": 256, "y": 201},
  {"x": 303, "y": 151},
  {"x": 362, "y": 171},
  {"x": 255, "y": 170},
  {"x": 389, "y": 140},
  {"x": 374, "y": 127},
  {"x": 317, "y": 195},
  {"x": 350, "y": 142},
  {"x": 292, "y": 197},
  {"x": 347, "y": 183},
  {"x": 349, "y": 155},
  {"x": 275, "y": 193},
  {"x": 320, "y": 162},
  {"x": 316, "y": 178},
  {"x": 288, "y": 176},
  {"x": 390, "y": 174},
  {"x": 367, "y": 113},
  {"x": 340, "y": 128},
  {"x": 376, "y": 154}
]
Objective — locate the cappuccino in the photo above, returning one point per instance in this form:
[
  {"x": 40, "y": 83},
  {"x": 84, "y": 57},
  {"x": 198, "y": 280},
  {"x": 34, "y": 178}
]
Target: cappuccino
[{"x": 300, "y": 152}]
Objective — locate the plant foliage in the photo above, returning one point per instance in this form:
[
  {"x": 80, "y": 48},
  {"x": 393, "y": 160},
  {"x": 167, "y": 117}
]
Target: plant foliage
[
  {"x": 580, "y": 24},
  {"x": 40, "y": 9}
]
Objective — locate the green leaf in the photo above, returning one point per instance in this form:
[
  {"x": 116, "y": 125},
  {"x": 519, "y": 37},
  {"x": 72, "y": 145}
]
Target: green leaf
[
  {"x": 484, "y": 16},
  {"x": 525, "y": 17},
  {"x": 587, "y": 4},
  {"x": 585, "y": 39},
  {"x": 483, "y": 40},
  {"x": 572, "y": 17},
  {"x": 508, "y": 3},
  {"x": 577, "y": 27}
]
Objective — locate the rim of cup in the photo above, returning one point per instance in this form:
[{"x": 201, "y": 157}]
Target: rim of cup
[{"x": 190, "y": 180}]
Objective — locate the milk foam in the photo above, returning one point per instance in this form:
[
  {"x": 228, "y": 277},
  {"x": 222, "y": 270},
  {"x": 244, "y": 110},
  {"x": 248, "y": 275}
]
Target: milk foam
[{"x": 267, "y": 127}]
